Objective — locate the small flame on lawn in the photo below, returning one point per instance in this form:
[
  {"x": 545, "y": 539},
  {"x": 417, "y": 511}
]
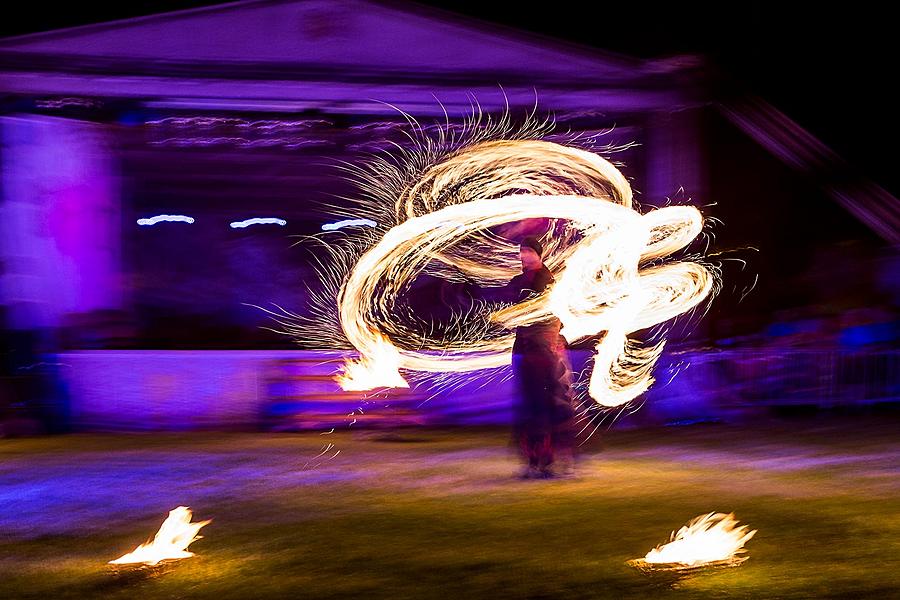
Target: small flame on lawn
[
  {"x": 705, "y": 539},
  {"x": 171, "y": 541}
]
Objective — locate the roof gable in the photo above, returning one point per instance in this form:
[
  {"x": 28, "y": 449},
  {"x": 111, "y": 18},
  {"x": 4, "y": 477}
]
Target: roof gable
[{"x": 358, "y": 33}]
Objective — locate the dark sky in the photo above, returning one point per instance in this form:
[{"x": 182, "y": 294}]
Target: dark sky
[{"x": 829, "y": 68}]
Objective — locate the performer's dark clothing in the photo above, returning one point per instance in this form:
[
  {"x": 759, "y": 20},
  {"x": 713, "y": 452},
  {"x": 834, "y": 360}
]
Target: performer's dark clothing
[{"x": 543, "y": 413}]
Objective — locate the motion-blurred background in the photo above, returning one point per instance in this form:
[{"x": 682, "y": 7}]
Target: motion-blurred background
[{"x": 775, "y": 120}]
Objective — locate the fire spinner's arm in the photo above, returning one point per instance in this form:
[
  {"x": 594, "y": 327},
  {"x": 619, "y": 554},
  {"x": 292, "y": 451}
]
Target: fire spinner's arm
[{"x": 510, "y": 293}]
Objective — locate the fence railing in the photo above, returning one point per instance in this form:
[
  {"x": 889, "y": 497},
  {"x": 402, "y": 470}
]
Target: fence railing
[{"x": 797, "y": 376}]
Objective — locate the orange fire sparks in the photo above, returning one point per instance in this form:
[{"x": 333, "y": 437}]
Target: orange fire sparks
[
  {"x": 712, "y": 539},
  {"x": 170, "y": 542}
]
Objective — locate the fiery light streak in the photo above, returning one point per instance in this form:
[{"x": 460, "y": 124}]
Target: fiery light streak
[
  {"x": 620, "y": 301},
  {"x": 171, "y": 541},
  {"x": 443, "y": 205}
]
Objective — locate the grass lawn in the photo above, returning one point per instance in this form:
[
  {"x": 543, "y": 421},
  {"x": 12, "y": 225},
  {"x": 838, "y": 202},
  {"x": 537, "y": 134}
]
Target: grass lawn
[{"x": 438, "y": 514}]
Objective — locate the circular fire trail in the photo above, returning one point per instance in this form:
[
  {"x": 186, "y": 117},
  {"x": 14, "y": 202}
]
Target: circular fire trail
[{"x": 445, "y": 205}]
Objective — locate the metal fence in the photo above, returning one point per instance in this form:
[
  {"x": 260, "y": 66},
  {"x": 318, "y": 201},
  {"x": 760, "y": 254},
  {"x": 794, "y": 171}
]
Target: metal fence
[{"x": 799, "y": 376}]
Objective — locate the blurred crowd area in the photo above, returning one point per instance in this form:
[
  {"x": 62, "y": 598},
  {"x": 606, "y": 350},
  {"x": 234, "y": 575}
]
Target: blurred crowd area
[{"x": 846, "y": 298}]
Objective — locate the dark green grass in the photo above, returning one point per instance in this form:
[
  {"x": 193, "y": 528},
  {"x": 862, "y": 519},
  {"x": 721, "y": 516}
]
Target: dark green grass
[{"x": 444, "y": 518}]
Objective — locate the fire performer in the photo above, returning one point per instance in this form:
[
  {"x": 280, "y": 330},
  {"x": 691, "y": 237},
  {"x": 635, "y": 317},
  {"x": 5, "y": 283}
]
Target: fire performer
[{"x": 543, "y": 414}]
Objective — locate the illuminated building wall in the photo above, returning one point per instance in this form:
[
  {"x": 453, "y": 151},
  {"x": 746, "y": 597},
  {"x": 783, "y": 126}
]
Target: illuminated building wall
[{"x": 60, "y": 220}]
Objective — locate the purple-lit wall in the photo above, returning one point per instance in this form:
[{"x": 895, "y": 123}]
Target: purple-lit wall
[
  {"x": 163, "y": 390},
  {"x": 59, "y": 220},
  {"x": 185, "y": 390},
  {"x": 212, "y": 389},
  {"x": 181, "y": 390}
]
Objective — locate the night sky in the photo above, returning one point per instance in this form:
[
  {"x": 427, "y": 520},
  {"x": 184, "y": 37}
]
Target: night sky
[{"x": 831, "y": 68}]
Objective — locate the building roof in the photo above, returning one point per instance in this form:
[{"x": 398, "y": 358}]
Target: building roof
[{"x": 267, "y": 50}]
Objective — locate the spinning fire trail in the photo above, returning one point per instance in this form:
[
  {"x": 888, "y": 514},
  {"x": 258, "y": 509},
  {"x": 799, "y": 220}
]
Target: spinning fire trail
[{"x": 445, "y": 203}]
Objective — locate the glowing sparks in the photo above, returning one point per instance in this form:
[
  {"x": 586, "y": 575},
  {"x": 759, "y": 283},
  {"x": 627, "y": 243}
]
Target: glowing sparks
[
  {"x": 349, "y": 223},
  {"x": 620, "y": 300},
  {"x": 257, "y": 221},
  {"x": 450, "y": 205},
  {"x": 600, "y": 284},
  {"x": 171, "y": 541},
  {"x": 165, "y": 218},
  {"x": 706, "y": 539},
  {"x": 377, "y": 367}
]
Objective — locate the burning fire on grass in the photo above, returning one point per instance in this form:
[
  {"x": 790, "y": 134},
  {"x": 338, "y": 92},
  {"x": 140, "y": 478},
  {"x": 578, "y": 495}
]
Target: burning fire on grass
[
  {"x": 712, "y": 540},
  {"x": 171, "y": 541}
]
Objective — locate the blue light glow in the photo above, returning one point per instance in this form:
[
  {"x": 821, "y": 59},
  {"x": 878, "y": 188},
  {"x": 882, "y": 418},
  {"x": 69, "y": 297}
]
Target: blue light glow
[
  {"x": 258, "y": 221},
  {"x": 169, "y": 218},
  {"x": 349, "y": 223}
]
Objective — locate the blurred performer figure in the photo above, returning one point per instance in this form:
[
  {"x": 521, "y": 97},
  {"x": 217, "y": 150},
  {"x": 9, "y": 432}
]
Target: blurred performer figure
[{"x": 543, "y": 416}]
